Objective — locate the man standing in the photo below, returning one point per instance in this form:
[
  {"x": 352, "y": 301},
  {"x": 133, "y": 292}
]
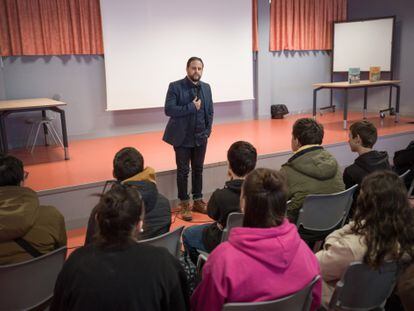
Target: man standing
[{"x": 189, "y": 105}]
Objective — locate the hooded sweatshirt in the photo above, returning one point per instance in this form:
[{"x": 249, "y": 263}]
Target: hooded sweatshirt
[
  {"x": 310, "y": 171},
  {"x": 365, "y": 164},
  {"x": 222, "y": 202},
  {"x": 21, "y": 216},
  {"x": 157, "y": 219},
  {"x": 257, "y": 264}
]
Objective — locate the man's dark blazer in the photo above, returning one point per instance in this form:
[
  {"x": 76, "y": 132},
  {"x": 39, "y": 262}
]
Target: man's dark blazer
[{"x": 180, "y": 108}]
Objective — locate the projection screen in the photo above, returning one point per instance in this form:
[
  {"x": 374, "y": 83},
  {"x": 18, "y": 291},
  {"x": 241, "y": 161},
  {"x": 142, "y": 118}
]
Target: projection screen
[{"x": 147, "y": 44}]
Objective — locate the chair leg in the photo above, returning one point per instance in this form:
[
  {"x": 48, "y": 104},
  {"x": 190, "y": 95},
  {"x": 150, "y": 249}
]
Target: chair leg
[
  {"x": 52, "y": 134},
  {"x": 29, "y": 137},
  {"x": 52, "y": 128},
  {"x": 35, "y": 138}
]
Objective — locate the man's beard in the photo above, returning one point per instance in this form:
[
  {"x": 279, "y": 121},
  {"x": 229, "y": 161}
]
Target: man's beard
[{"x": 195, "y": 78}]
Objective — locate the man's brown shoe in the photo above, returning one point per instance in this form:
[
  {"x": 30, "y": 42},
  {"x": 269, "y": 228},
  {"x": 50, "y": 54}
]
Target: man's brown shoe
[
  {"x": 200, "y": 206},
  {"x": 185, "y": 211}
]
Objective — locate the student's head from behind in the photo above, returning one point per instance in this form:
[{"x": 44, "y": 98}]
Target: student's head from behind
[
  {"x": 306, "y": 131},
  {"x": 119, "y": 215},
  {"x": 384, "y": 217},
  {"x": 128, "y": 162},
  {"x": 242, "y": 158},
  {"x": 194, "y": 68},
  {"x": 263, "y": 198},
  {"x": 362, "y": 134},
  {"x": 11, "y": 171}
]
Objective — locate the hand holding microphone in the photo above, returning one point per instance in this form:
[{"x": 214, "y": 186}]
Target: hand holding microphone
[{"x": 197, "y": 100}]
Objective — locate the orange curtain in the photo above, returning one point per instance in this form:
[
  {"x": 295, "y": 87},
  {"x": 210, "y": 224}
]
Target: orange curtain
[
  {"x": 50, "y": 27},
  {"x": 302, "y": 25},
  {"x": 255, "y": 27}
]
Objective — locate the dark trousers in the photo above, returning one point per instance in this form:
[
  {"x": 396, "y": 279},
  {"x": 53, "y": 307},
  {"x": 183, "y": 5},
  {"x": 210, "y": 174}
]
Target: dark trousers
[{"x": 183, "y": 157}]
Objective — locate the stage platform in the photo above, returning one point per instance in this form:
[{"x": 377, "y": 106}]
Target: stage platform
[{"x": 69, "y": 184}]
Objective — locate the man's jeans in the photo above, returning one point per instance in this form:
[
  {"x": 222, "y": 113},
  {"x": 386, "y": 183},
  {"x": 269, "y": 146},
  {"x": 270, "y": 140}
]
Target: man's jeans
[
  {"x": 183, "y": 157},
  {"x": 193, "y": 241}
]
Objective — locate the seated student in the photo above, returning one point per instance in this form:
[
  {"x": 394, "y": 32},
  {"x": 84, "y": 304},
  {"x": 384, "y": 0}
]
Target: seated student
[
  {"x": 312, "y": 169},
  {"x": 129, "y": 169},
  {"x": 241, "y": 157},
  {"x": 263, "y": 260},
  {"x": 403, "y": 161},
  {"x": 362, "y": 138},
  {"x": 382, "y": 229},
  {"x": 27, "y": 229},
  {"x": 117, "y": 273}
]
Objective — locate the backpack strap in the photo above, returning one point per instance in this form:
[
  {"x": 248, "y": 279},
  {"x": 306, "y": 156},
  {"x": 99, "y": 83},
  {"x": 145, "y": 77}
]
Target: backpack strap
[{"x": 28, "y": 247}]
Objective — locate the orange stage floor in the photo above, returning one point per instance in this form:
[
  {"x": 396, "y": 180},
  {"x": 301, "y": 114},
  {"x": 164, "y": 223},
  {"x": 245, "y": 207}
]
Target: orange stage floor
[{"x": 91, "y": 160}]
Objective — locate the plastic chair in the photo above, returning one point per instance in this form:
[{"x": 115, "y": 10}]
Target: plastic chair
[
  {"x": 233, "y": 220},
  {"x": 37, "y": 124},
  {"x": 404, "y": 175},
  {"x": 299, "y": 301},
  {"x": 170, "y": 240},
  {"x": 29, "y": 285},
  {"x": 364, "y": 288},
  {"x": 321, "y": 214}
]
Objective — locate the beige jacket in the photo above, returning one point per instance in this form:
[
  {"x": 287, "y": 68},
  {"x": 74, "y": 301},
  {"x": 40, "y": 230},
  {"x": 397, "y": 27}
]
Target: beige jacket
[{"x": 341, "y": 248}]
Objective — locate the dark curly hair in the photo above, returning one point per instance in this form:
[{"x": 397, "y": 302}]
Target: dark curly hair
[
  {"x": 117, "y": 212},
  {"x": 384, "y": 218},
  {"x": 264, "y": 192}
]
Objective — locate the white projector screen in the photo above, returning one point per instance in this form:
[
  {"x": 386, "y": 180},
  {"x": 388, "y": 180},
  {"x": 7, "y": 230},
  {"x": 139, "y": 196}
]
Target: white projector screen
[
  {"x": 147, "y": 44},
  {"x": 363, "y": 44}
]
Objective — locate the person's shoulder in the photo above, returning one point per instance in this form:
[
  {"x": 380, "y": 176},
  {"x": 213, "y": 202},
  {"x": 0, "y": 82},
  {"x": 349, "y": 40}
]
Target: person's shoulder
[
  {"x": 48, "y": 212},
  {"x": 177, "y": 83}
]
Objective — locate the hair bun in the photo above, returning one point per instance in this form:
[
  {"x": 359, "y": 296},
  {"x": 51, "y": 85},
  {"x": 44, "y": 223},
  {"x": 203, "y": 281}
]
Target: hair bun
[{"x": 271, "y": 182}]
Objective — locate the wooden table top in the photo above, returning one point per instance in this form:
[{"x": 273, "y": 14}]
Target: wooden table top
[
  {"x": 19, "y": 104},
  {"x": 362, "y": 83}
]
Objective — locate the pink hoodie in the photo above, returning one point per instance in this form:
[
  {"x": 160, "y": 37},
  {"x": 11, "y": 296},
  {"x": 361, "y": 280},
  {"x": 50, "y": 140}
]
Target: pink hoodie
[{"x": 257, "y": 265}]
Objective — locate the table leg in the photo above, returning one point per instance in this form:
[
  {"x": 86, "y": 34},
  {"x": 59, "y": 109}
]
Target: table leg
[
  {"x": 314, "y": 103},
  {"x": 397, "y": 104},
  {"x": 64, "y": 131},
  {"x": 345, "y": 108},
  {"x": 45, "y": 130},
  {"x": 365, "y": 102},
  {"x": 4, "y": 145}
]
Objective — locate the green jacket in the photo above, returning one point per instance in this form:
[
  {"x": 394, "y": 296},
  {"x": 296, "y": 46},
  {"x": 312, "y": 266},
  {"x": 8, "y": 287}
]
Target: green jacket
[
  {"x": 310, "y": 171},
  {"x": 22, "y": 216}
]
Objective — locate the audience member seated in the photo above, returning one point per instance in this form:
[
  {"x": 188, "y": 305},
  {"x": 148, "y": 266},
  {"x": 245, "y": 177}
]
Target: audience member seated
[
  {"x": 312, "y": 169},
  {"x": 263, "y": 260},
  {"x": 129, "y": 169},
  {"x": 27, "y": 229},
  {"x": 382, "y": 229},
  {"x": 115, "y": 272},
  {"x": 403, "y": 161},
  {"x": 241, "y": 157},
  {"x": 362, "y": 138}
]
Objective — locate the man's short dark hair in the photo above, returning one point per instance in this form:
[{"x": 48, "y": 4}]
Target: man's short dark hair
[
  {"x": 242, "y": 157},
  {"x": 128, "y": 162},
  {"x": 366, "y": 131},
  {"x": 308, "y": 131},
  {"x": 11, "y": 171},
  {"x": 194, "y": 58}
]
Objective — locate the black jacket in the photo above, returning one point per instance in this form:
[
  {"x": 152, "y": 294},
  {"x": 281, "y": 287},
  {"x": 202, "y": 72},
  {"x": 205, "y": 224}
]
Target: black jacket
[
  {"x": 221, "y": 204},
  {"x": 403, "y": 161},
  {"x": 157, "y": 219},
  {"x": 181, "y": 110},
  {"x": 364, "y": 165},
  {"x": 136, "y": 277}
]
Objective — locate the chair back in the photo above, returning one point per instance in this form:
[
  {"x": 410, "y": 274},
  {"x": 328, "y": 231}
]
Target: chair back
[
  {"x": 299, "y": 301},
  {"x": 170, "y": 240},
  {"x": 364, "y": 288},
  {"x": 326, "y": 212},
  {"x": 30, "y": 284},
  {"x": 404, "y": 175},
  {"x": 233, "y": 220}
]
